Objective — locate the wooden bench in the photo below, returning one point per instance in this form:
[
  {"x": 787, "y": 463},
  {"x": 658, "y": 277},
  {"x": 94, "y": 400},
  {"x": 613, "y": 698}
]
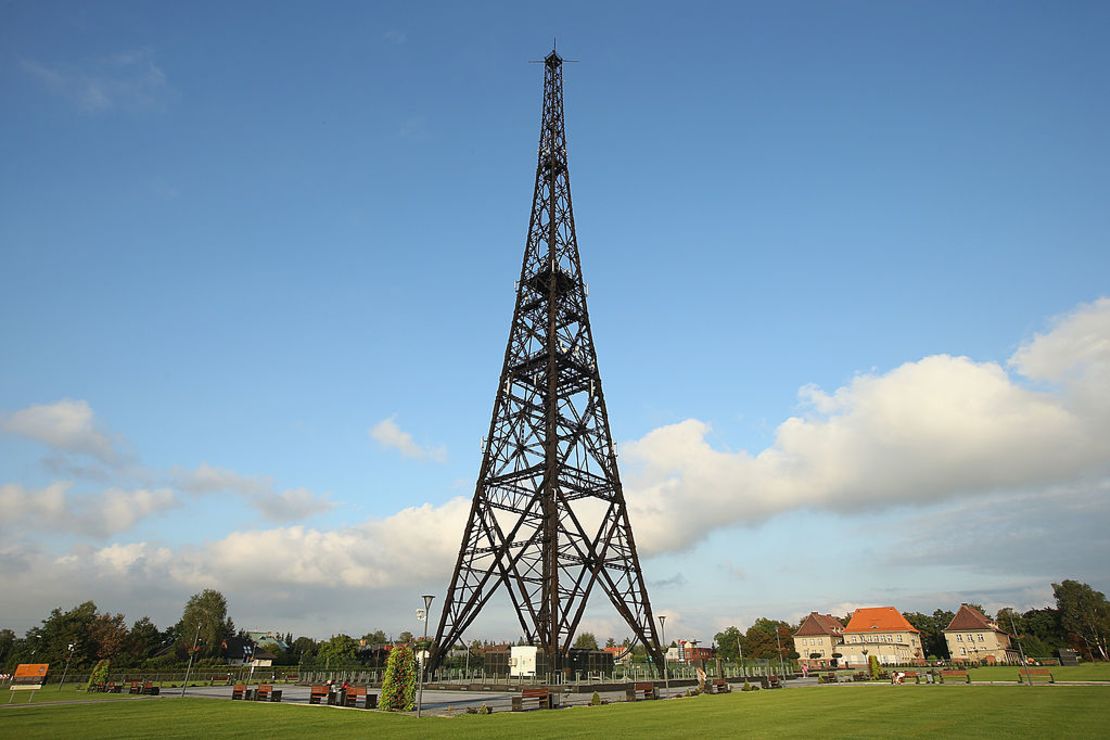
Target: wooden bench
[
  {"x": 317, "y": 694},
  {"x": 911, "y": 674},
  {"x": 944, "y": 675},
  {"x": 1035, "y": 674},
  {"x": 238, "y": 691},
  {"x": 265, "y": 692},
  {"x": 541, "y": 694},
  {"x": 718, "y": 686},
  {"x": 640, "y": 691},
  {"x": 136, "y": 687},
  {"x": 827, "y": 678},
  {"x": 353, "y": 694},
  {"x": 150, "y": 689}
]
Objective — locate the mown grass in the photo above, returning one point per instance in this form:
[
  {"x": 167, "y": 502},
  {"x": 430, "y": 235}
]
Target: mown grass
[
  {"x": 68, "y": 692},
  {"x": 1084, "y": 672},
  {"x": 858, "y": 711}
]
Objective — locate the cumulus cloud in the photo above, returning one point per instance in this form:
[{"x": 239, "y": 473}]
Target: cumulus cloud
[
  {"x": 939, "y": 428},
  {"x": 129, "y": 80},
  {"x": 258, "y": 491},
  {"x": 67, "y": 426},
  {"x": 388, "y": 434},
  {"x": 56, "y": 508}
]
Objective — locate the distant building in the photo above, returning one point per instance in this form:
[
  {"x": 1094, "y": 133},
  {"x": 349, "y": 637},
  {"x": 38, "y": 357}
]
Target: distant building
[
  {"x": 261, "y": 637},
  {"x": 883, "y": 632},
  {"x": 687, "y": 651},
  {"x": 622, "y": 654},
  {"x": 973, "y": 637},
  {"x": 820, "y": 635}
]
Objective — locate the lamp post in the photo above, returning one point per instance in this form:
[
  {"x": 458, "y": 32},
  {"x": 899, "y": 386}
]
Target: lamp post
[
  {"x": 192, "y": 654},
  {"x": 1021, "y": 650},
  {"x": 69, "y": 656},
  {"x": 420, "y": 691},
  {"x": 778, "y": 642},
  {"x": 663, "y": 640}
]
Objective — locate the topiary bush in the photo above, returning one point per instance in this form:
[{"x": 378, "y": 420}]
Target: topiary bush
[
  {"x": 399, "y": 685},
  {"x": 99, "y": 674},
  {"x": 873, "y": 667},
  {"x": 595, "y": 700}
]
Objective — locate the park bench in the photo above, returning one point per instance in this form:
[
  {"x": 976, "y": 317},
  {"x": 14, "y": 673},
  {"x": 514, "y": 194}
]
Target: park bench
[
  {"x": 945, "y": 675},
  {"x": 238, "y": 691},
  {"x": 265, "y": 692},
  {"x": 911, "y": 674},
  {"x": 1029, "y": 675},
  {"x": 136, "y": 687},
  {"x": 318, "y": 694},
  {"x": 543, "y": 696},
  {"x": 353, "y": 694},
  {"x": 860, "y": 676},
  {"x": 718, "y": 686},
  {"x": 775, "y": 682},
  {"x": 828, "y": 678},
  {"x": 640, "y": 691},
  {"x": 150, "y": 689}
]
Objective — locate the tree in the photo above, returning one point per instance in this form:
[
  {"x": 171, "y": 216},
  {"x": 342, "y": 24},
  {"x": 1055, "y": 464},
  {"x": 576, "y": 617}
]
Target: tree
[
  {"x": 610, "y": 643},
  {"x": 729, "y": 642},
  {"x": 586, "y": 641},
  {"x": 303, "y": 647},
  {"x": 399, "y": 684},
  {"x": 931, "y": 627},
  {"x": 377, "y": 637},
  {"x": 405, "y": 637},
  {"x": 760, "y": 641},
  {"x": 208, "y": 611},
  {"x": 7, "y": 648},
  {"x": 143, "y": 640},
  {"x": 1084, "y": 613},
  {"x": 338, "y": 650},
  {"x": 109, "y": 635}
]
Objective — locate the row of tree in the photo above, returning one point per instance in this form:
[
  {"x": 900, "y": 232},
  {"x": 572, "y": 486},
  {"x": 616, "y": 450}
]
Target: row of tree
[{"x": 84, "y": 635}]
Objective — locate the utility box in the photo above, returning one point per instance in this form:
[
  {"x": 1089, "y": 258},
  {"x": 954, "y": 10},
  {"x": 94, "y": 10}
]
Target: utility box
[{"x": 522, "y": 660}]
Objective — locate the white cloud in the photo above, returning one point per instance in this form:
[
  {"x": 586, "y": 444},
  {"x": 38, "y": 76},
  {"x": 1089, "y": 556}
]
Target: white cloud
[
  {"x": 125, "y": 81},
  {"x": 940, "y": 428},
  {"x": 388, "y": 434},
  {"x": 67, "y": 426},
  {"x": 258, "y": 491},
  {"x": 56, "y": 508}
]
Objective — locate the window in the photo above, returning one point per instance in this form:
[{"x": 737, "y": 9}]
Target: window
[
  {"x": 980, "y": 638},
  {"x": 960, "y": 638},
  {"x": 963, "y": 651}
]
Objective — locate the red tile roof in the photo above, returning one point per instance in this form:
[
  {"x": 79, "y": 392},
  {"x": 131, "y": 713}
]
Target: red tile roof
[
  {"x": 819, "y": 624},
  {"x": 970, "y": 618},
  {"x": 876, "y": 618}
]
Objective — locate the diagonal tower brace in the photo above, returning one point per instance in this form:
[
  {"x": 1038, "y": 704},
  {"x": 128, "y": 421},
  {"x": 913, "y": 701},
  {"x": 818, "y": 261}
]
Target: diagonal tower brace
[{"x": 548, "y": 520}]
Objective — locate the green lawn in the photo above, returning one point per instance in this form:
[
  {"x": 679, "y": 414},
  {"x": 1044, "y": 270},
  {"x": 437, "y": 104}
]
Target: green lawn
[
  {"x": 857, "y": 711},
  {"x": 68, "y": 692},
  {"x": 1084, "y": 672}
]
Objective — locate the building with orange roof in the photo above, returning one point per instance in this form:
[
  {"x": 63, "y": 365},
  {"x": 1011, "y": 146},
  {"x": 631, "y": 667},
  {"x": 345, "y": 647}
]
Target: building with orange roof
[
  {"x": 971, "y": 636},
  {"x": 817, "y": 638},
  {"x": 881, "y": 631}
]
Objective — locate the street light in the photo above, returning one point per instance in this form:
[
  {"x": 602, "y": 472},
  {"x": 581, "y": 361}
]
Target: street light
[
  {"x": 420, "y": 692},
  {"x": 663, "y": 639},
  {"x": 69, "y": 656},
  {"x": 192, "y": 654}
]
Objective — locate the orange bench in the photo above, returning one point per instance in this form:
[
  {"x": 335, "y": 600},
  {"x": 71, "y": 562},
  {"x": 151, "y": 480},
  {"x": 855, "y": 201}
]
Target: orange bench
[
  {"x": 1035, "y": 674},
  {"x": 318, "y": 693},
  {"x": 238, "y": 691},
  {"x": 955, "y": 674},
  {"x": 265, "y": 692}
]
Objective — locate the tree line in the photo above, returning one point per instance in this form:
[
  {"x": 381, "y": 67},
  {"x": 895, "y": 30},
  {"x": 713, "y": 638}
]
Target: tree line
[{"x": 83, "y": 635}]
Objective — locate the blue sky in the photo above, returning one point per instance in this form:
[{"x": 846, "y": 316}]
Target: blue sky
[{"x": 237, "y": 239}]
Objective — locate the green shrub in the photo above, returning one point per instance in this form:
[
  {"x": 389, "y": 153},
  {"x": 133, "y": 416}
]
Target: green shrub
[
  {"x": 873, "y": 666},
  {"x": 399, "y": 685},
  {"x": 99, "y": 673},
  {"x": 595, "y": 700}
]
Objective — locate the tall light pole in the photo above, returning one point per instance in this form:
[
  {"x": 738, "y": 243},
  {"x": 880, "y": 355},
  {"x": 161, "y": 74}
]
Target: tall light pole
[
  {"x": 1021, "y": 650},
  {"x": 192, "y": 654},
  {"x": 663, "y": 639},
  {"x": 69, "y": 657},
  {"x": 420, "y": 692},
  {"x": 740, "y": 652},
  {"x": 778, "y": 641}
]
